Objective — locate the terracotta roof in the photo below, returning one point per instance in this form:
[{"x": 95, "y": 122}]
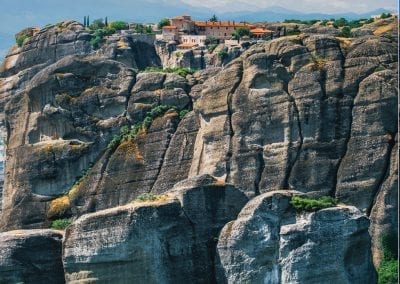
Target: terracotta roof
[
  {"x": 260, "y": 31},
  {"x": 222, "y": 24},
  {"x": 187, "y": 45},
  {"x": 169, "y": 27}
]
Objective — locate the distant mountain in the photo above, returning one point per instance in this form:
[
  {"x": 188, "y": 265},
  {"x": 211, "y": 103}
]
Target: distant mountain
[{"x": 275, "y": 13}]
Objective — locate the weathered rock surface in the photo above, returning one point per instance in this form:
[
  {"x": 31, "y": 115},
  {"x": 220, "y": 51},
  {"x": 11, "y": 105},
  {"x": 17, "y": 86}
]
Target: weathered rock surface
[
  {"x": 270, "y": 243},
  {"x": 166, "y": 241},
  {"x": 32, "y": 256}
]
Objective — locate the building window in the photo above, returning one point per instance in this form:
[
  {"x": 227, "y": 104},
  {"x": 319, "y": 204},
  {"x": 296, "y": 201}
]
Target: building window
[{"x": 225, "y": 34}]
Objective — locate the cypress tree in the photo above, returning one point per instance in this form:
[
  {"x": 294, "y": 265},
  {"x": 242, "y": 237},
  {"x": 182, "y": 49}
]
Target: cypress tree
[
  {"x": 87, "y": 21},
  {"x": 84, "y": 21},
  {"x": 106, "y": 22}
]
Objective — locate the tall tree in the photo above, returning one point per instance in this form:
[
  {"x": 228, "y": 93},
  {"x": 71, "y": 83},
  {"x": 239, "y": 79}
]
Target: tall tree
[{"x": 213, "y": 18}]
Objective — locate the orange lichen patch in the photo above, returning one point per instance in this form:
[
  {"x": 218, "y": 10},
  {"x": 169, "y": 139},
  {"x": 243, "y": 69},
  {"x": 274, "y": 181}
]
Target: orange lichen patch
[
  {"x": 158, "y": 92},
  {"x": 122, "y": 44},
  {"x": 142, "y": 106},
  {"x": 344, "y": 42},
  {"x": 171, "y": 115},
  {"x": 59, "y": 206},
  {"x": 383, "y": 29},
  {"x": 131, "y": 148},
  {"x": 219, "y": 182}
]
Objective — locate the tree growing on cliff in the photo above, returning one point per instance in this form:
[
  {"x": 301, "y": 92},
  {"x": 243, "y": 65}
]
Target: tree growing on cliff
[
  {"x": 214, "y": 18},
  {"x": 163, "y": 22},
  {"x": 240, "y": 32},
  {"x": 119, "y": 25},
  {"x": 97, "y": 24}
]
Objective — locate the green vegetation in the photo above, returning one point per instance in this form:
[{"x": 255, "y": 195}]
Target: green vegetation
[
  {"x": 145, "y": 197},
  {"x": 385, "y": 15},
  {"x": 163, "y": 22},
  {"x": 99, "y": 34},
  {"x": 97, "y": 24},
  {"x": 317, "y": 62},
  {"x": 312, "y": 204},
  {"x": 213, "y": 18},
  {"x": 294, "y": 31},
  {"x": 183, "y": 113},
  {"x": 222, "y": 54},
  {"x": 142, "y": 29},
  {"x": 21, "y": 39},
  {"x": 119, "y": 25},
  {"x": 387, "y": 272},
  {"x": 240, "y": 32},
  {"x": 176, "y": 70},
  {"x": 379, "y": 68},
  {"x": 307, "y": 22},
  {"x": 345, "y": 32},
  {"x": 211, "y": 40},
  {"x": 129, "y": 133},
  {"x": 60, "y": 224},
  {"x": 212, "y": 47}
]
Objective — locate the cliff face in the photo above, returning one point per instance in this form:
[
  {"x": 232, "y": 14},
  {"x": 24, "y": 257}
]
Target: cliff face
[{"x": 313, "y": 114}]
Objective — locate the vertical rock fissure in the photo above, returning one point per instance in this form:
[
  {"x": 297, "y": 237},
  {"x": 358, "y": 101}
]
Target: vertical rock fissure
[
  {"x": 385, "y": 173},
  {"x": 229, "y": 117},
  {"x": 260, "y": 166},
  {"x": 300, "y": 146}
]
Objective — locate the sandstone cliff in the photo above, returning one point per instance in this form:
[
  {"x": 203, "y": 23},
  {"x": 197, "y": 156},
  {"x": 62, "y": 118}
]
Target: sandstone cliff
[{"x": 88, "y": 135}]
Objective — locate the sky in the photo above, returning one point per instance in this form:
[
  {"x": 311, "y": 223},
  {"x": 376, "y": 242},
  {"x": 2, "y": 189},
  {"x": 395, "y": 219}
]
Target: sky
[
  {"x": 18, "y": 14},
  {"x": 324, "y": 6}
]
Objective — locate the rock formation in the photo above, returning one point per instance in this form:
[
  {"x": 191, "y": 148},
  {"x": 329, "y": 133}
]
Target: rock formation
[{"x": 151, "y": 166}]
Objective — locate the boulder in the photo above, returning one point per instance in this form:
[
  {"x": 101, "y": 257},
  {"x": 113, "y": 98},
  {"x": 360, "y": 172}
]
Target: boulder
[{"x": 31, "y": 256}]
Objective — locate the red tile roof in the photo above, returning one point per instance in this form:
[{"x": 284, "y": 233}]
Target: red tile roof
[
  {"x": 222, "y": 24},
  {"x": 169, "y": 27},
  {"x": 260, "y": 31}
]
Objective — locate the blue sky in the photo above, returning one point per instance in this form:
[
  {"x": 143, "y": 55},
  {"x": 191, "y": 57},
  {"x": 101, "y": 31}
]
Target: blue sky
[{"x": 18, "y": 14}]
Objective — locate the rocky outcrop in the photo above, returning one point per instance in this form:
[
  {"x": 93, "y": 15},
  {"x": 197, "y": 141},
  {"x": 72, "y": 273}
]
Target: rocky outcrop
[
  {"x": 168, "y": 240},
  {"x": 31, "y": 257},
  {"x": 335, "y": 242}
]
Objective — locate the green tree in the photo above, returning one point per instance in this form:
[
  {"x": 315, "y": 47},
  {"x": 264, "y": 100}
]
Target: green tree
[
  {"x": 240, "y": 32},
  {"x": 213, "y": 18},
  {"x": 119, "y": 25},
  {"x": 345, "y": 32},
  {"x": 164, "y": 22},
  {"x": 97, "y": 24}
]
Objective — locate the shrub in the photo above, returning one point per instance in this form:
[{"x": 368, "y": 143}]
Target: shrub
[
  {"x": 177, "y": 70},
  {"x": 119, "y": 25},
  {"x": 318, "y": 63},
  {"x": 148, "y": 197},
  {"x": 294, "y": 31},
  {"x": 60, "y": 224},
  {"x": 183, "y": 113},
  {"x": 312, "y": 204},
  {"x": 384, "y": 15},
  {"x": 379, "y": 68},
  {"x": 97, "y": 24},
  {"x": 387, "y": 272},
  {"x": 212, "y": 47},
  {"x": 163, "y": 22},
  {"x": 345, "y": 32},
  {"x": 99, "y": 34},
  {"x": 222, "y": 55},
  {"x": 21, "y": 39}
]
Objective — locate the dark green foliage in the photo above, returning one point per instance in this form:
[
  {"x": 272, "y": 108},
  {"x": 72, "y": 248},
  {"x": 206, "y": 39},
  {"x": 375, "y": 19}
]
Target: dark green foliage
[
  {"x": 99, "y": 34},
  {"x": 60, "y": 224},
  {"x": 163, "y": 22},
  {"x": 307, "y": 22},
  {"x": 119, "y": 25},
  {"x": 97, "y": 24},
  {"x": 211, "y": 40},
  {"x": 312, "y": 204},
  {"x": 294, "y": 31},
  {"x": 21, "y": 39},
  {"x": 177, "y": 70},
  {"x": 222, "y": 54},
  {"x": 142, "y": 29},
  {"x": 240, "y": 32},
  {"x": 183, "y": 113},
  {"x": 128, "y": 133},
  {"x": 388, "y": 269},
  {"x": 106, "y": 22},
  {"x": 385, "y": 15},
  {"x": 212, "y": 47},
  {"x": 213, "y": 18},
  {"x": 387, "y": 272},
  {"x": 345, "y": 32},
  {"x": 379, "y": 68}
]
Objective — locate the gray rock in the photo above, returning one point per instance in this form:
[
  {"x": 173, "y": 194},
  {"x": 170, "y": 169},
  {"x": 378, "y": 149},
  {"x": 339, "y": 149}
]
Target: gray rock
[
  {"x": 32, "y": 256},
  {"x": 171, "y": 240},
  {"x": 270, "y": 243}
]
